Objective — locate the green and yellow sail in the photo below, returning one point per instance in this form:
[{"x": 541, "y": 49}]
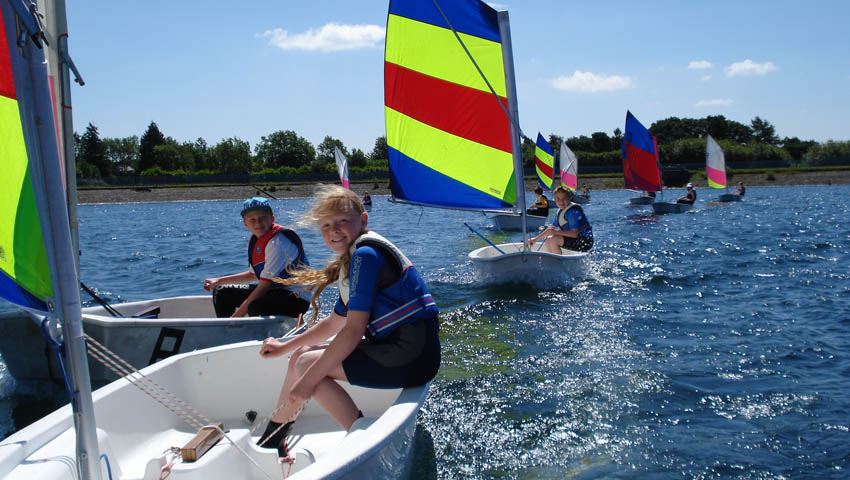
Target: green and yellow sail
[{"x": 24, "y": 273}]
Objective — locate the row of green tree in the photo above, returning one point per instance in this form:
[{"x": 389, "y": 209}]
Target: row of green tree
[
  {"x": 680, "y": 140},
  {"x": 157, "y": 154}
]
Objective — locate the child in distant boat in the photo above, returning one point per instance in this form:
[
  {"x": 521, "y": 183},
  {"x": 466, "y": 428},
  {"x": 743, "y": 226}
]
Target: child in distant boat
[
  {"x": 690, "y": 197},
  {"x": 539, "y": 208},
  {"x": 272, "y": 251},
  {"x": 381, "y": 297},
  {"x": 741, "y": 189},
  {"x": 585, "y": 192},
  {"x": 367, "y": 199},
  {"x": 570, "y": 229}
]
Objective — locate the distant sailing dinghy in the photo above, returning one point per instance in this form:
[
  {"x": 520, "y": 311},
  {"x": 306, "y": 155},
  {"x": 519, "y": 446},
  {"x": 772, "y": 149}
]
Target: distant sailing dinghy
[
  {"x": 661, "y": 208},
  {"x": 715, "y": 170},
  {"x": 470, "y": 158},
  {"x": 512, "y": 222},
  {"x": 341, "y": 167},
  {"x": 544, "y": 160},
  {"x": 569, "y": 173},
  {"x": 198, "y": 406},
  {"x": 641, "y": 171}
]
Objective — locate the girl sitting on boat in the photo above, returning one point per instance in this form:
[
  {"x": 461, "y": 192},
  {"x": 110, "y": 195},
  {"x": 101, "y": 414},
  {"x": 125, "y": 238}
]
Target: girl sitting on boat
[
  {"x": 381, "y": 298},
  {"x": 570, "y": 229}
]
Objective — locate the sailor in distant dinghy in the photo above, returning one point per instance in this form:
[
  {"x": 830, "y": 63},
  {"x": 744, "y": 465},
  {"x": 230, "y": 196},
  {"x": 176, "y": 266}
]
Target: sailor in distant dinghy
[{"x": 570, "y": 229}]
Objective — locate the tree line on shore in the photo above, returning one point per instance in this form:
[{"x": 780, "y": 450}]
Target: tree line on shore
[{"x": 680, "y": 140}]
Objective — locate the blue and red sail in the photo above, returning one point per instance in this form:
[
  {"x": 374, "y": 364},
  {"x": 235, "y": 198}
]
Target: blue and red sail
[{"x": 640, "y": 157}]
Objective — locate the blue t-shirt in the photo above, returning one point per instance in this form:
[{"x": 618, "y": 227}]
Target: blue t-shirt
[
  {"x": 365, "y": 266},
  {"x": 575, "y": 219}
]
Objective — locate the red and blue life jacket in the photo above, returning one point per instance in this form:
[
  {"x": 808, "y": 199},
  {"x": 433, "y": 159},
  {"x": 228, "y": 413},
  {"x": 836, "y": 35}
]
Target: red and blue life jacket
[{"x": 257, "y": 250}]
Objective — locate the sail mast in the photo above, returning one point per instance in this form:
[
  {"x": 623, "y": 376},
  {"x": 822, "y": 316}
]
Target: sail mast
[
  {"x": 59, "y": 69},
  {"x": 516, "y": 138},
  {"x": 49, "y": 190}
]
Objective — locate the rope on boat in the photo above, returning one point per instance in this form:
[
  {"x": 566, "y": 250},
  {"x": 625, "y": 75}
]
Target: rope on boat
[
  {"x": 120, "y": 367},
  {"x": 171, "y": 402}
]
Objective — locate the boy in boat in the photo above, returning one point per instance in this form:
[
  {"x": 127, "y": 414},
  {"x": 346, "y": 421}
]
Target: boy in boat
[
  {"x": 741, "y": 189},
  {"x": 690, "y": 197},
  {"x": 367, "y": 199},
  {"x": 381, "y": 297},
  {"x": 541, "y": 207},
  {"x": 273, "y": 250},
  {"x": 570, "y": 229}
]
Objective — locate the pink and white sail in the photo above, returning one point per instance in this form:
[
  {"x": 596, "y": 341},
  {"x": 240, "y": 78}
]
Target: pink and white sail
[
  {"x": 341, "y": 166},
  {"x": 568, "y": 167},
  {"x": 715, "y": 164}
]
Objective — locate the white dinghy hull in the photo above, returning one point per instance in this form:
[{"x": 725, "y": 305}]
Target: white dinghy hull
[
  {"x": 729, "y": 197},
  {"x": 534, "y": 267},
  {"x": 510, "y": 222},
  {"x": 222, "y": 383},
  {"x": 191, "y": 319},
  {"x": 661, "y": 208}
]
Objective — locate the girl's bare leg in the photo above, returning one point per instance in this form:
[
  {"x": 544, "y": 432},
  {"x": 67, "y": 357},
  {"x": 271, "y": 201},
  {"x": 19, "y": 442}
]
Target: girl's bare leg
[
  {"x": 329, "y": 394},
  {"x": 283, "y": 413},
  {"x": 336, "y": 401},
  {"x": 553, "y": 244}
]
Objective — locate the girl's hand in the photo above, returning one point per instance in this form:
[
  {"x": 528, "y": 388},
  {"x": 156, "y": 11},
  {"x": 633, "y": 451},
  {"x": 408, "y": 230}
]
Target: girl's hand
[{"x": 271, "y": 348}]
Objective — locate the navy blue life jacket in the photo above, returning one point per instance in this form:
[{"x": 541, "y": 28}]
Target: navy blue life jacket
[
  {"x": 404, "y": 300},
  {"x": 584, "y": 229}
]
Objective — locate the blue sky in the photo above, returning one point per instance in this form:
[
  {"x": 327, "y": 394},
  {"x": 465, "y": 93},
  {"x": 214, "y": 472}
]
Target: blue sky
[{"x": 217, "y": 69}]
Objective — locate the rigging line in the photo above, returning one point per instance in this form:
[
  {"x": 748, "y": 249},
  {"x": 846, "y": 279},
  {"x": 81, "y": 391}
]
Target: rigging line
[
  {"x": 485, "y": 239},
  {"x": 126, "y": 370},
  {"x": 480, "y": 72},
  {"x": 181, "y": 415},
  {"x": 180, "y": 408}
]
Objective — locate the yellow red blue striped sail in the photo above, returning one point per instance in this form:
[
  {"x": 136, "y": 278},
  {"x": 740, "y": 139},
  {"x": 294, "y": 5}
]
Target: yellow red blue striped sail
[
  {"x": 544, "y": 162},
  {"x": 448, "y": 137},
  {"x": 24, "y": 272}
]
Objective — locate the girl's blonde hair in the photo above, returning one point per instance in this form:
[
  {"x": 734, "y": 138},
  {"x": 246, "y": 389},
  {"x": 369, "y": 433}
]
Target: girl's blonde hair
[
  {"x": 328, "y": 200},
  {"x": 564, "y": 190}
]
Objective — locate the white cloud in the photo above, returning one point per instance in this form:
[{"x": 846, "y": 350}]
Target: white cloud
[
  {"x": 332, "y": 37},
  {"x": 715, "y": 102},
  {"x": 700, "y": 65},
  {"x": 497, "y": 6},
  {"x": 591, "y": 82},
  {"x": 749, "y": 68},
  {"x": 706, "y": 78}
]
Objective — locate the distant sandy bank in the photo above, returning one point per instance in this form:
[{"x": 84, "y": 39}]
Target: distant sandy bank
[{"x": 234, "y": 192}]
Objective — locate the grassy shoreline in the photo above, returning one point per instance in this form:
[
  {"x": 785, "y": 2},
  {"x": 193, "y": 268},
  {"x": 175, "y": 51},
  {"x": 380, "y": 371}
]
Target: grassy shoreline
[{"x": 94, "y": 195}]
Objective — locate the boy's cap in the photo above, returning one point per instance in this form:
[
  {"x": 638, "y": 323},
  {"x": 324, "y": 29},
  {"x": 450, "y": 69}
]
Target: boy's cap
[
  {"x": 690, "y": 185},
  {"x": 256, "y": 203}
]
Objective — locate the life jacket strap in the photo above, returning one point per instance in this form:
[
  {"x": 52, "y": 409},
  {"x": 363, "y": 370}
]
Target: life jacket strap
[{"x": 391, "y": 320}]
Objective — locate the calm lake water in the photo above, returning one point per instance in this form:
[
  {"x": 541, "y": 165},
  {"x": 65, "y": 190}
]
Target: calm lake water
[{"x": 712, "y": 344}]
